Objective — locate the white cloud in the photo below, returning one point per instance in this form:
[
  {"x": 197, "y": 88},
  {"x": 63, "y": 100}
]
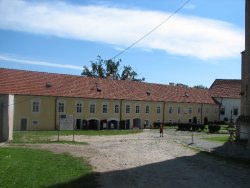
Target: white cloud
[
  {"x": 8, "y": 58},
  {"x": 182, "y": 35}
]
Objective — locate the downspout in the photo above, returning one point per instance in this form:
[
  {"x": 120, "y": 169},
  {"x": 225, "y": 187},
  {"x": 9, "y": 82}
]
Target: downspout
[
  {"x": 56, "y": 121},
  {"x": 120, "y": 113},
  {"x": 220, "y": 106},
  {"x": 164, "y": 104},
  {"x": 201, "y": 113}
]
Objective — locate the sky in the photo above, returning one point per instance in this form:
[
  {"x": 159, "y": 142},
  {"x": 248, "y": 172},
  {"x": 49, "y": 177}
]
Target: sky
[{"x": 202, "y": 42}]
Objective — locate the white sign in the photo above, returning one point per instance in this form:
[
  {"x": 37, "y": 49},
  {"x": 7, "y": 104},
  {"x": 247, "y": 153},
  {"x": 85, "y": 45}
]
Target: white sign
[{"x": 66, "y": 122}]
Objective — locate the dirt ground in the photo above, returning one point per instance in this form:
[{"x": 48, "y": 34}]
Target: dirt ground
[{"x": 146, "y": 160}]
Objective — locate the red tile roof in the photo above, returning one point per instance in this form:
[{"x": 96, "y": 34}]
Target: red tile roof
[
  {"x": 226, "y": 88},
  {"x": 61, "y": 85}
]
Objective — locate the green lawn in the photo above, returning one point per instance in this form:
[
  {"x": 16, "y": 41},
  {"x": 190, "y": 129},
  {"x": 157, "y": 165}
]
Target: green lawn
[
  {"x": 51, "y": 136},
  {"x": 23, "y": 167},
  {"x": 218, "y": 139}
]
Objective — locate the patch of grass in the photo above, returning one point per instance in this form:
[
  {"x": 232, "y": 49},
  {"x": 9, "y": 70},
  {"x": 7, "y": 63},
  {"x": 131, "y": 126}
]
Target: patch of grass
[
  {"x": 218, "y": 139},
  {"x": 47, "y": 137},
  {"x": 108, "y": 132},
  {"x": 23, "y": 167}
]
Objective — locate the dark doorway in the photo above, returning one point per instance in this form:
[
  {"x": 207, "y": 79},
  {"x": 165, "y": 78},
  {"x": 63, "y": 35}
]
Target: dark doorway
[
  {"x": 127, "y": 124},
  {"x": 137, "y": 123},
  {"x": 24, "y": 123},
  {"x": 93, "y": 124},
  {"x": 113, "y": 124},
  {"x": 78, "y": 124},
  {"x": 205, "y": 120},
  {"x": 103, "y": 124},
  {"x": 84, "y": 124}
]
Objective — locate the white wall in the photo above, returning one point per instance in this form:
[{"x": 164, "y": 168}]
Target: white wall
[
  {"x": 229, "y": 104},
  {"x": 7, "y": 115}
]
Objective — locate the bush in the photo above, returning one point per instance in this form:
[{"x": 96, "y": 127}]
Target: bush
[
  {"x": 213, "y": 128},
  {"x": 156, "y": 124}
]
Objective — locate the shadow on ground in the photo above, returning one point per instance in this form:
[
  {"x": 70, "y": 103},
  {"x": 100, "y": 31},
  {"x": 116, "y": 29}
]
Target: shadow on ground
[{"x": 201, "y": 170}]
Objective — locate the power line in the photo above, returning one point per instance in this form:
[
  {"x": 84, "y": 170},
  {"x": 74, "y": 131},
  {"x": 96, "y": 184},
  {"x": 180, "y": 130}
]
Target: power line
[{"x": 151, "y": 31}]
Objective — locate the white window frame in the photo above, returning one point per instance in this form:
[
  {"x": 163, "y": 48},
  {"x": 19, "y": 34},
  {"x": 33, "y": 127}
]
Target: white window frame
[
  {"x": 79, "y": 107},
  {"x": 127, "y": 108},
  {"x": 117, "y": 108},
  {"x": 92, "y": 108},
  {"x": 147, "y": 109},
  {"x": 137, "y": 109},
  {"x": 104, "y": 108},
  {"x": 158, "y": 110},
  {"x": 170, "y": 110},
  {"x": 190, "y": 110},
  {"x": 61, "y": 106},
  {"x": 36, "y": 106}
]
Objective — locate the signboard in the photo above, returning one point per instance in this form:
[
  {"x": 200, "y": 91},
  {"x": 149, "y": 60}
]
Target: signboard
[{"x": 66, "y": 122}]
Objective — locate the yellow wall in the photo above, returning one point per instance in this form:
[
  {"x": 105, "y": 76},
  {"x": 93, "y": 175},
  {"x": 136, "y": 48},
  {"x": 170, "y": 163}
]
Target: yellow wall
[
  {"x": 209, "y": 111},
  {"x": 45, "y": 118}
]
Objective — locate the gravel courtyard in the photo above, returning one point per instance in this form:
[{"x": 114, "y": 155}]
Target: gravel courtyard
[{"x": 146, "y": 160}]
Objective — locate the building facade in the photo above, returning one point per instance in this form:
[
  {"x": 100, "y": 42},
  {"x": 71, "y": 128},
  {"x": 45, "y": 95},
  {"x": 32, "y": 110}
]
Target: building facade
[
  {"x": 227, "y": 94},
  {"x": 37, "y": 101}
]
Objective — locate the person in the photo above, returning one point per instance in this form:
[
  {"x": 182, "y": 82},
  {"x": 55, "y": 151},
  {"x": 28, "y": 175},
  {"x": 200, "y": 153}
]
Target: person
[{"x": 161, "y": 130}]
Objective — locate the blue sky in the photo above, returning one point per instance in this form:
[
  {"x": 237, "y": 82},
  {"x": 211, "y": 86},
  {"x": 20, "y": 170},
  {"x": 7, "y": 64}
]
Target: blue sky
[{"x": 199, "y": 44}]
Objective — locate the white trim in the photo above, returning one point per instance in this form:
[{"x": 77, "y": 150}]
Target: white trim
[
  {"x": 39, "y": 105},
  {"x": 11, "y": 106}
]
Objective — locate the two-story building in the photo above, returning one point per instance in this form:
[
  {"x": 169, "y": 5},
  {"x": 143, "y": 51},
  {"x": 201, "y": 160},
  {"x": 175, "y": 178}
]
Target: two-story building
[{"x": 37, "y": 100}]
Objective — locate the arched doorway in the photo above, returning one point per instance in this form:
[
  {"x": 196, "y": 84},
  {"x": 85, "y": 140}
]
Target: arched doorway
[{"x": 93, "y": 124}]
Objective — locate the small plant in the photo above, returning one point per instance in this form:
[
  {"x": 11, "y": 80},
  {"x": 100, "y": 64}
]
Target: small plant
[{"x": 213, "y": 128}]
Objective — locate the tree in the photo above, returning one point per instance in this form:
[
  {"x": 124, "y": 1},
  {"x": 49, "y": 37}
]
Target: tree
[
  {"x": 200, "y": 87},
  {"x": 129, "y": 73},
  {"x": 109, "y": 68},
  {"x": 182, "y": 85}
]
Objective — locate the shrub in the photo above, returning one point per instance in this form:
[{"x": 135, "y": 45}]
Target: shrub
[
  {"x": 156, "y": 124},
  {"x": 212, "y": 128}
]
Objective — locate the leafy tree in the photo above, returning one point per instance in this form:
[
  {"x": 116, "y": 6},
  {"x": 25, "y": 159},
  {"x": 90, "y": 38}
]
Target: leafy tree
[
  {"x": 200, "y": 87},
  {"x": 109, "y": 68},
  {"x": 129, "y": 73},
  {"x": 182, "y": 85}
]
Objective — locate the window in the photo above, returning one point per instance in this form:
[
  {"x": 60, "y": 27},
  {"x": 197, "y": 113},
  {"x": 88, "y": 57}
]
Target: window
[
  {"x": 79, "y": 107},
  {"x": 199, "y": 110},
  {"x": 235, "y": 111},
  {"x": 61, "y": 107},
  {"x": 35, "y": 122},
  {"x": 170, "y": 110},
  {"x": 147, "y": 110},
  {"x": 158, "y": 110},
  {"x": 190, "y": 110},
  {"x": 137, "y": 109},
  {"x": 127, "y": 108},
  {"x": 222, "y": 111},
  {"x": 104, "y": 108},
  {"x": 116, "y": 108},
  {"x": 179, "y": 110},
  {"x": 92, "y": 108},
  {"x": 35, "y": 106}
]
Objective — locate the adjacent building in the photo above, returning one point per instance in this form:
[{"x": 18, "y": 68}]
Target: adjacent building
[
  {"x": 37, "y": 101},
  {"x": 227, "y": 93}
]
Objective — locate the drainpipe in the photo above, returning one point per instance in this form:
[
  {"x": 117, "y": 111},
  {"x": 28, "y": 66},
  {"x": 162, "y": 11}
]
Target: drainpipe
[
  {"x": 221, "y": 100},
  {"x": 56, "y": 121},
  {"x": 120, "y": 113},
  {"x": 201, "y": 113},
  {"x": 164, "y": 104}
]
